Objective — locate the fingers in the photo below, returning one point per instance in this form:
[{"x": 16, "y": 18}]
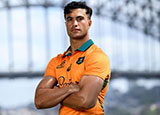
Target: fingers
[{"x": 73, "y": 88}]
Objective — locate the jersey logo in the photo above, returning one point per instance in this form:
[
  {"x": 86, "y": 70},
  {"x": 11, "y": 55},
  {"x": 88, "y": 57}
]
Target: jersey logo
[
  {"x": 80, "y": 60},
  {"x": 62, "y": 81},
  {"x": 61, "y": 65}
]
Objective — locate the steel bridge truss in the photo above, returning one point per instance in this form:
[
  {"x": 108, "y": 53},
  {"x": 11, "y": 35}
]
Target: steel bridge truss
[{"x": 143, "y": 15}]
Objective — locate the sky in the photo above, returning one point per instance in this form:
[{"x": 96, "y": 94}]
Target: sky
[{"x": 128, "y": 49}]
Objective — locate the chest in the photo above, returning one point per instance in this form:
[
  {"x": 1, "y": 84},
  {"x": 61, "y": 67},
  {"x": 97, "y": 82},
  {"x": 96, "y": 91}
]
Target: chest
[{"x": 70, "y": 69}]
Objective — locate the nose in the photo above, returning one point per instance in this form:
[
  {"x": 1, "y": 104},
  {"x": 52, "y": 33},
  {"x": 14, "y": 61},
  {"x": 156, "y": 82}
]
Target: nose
[{"x": 75, "y": 23}]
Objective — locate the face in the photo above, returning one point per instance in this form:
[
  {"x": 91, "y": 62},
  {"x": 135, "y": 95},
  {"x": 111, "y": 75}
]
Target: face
[{"x": 77, "y": 23}]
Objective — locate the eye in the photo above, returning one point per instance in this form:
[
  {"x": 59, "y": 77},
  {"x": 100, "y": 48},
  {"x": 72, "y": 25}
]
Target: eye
[
  {"x": 79, "y": 18},
  {"x": 69, "y": 19}
]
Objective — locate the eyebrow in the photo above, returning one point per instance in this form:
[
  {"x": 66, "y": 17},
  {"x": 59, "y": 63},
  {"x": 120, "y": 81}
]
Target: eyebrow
[
  {"x": 80, "y": 16},
  {"x": 76, "y": 17},
  {"x": 68, "y": 17}
]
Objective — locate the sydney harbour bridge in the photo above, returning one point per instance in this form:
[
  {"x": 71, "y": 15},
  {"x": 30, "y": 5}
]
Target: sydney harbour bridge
[{"x": 127, "y": 30}]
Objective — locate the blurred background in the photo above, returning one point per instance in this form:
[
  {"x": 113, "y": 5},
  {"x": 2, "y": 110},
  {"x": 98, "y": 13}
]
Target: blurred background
[{"x": 128, "y": 31}]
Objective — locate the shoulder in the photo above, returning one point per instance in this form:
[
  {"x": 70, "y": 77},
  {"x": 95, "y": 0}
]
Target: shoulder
[
  {"x": 56, "y": 58},
  {"x": 96, "y": 53},
  {"x": 97, "y": 63}
]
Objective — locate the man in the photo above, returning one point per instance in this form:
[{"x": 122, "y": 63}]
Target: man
[{"x": 78, "y": 78}]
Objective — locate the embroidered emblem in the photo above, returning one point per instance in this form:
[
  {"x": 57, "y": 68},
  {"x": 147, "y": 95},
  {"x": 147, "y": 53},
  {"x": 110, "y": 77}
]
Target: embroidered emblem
[
  {"x": 69, "y": 68},
  {"x": 61, "y": 65},
  {"x": 80, "y": 60}
]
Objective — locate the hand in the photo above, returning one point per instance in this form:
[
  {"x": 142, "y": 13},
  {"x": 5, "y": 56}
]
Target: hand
[
  {"x": 55, "y": 87},
  {"x": 73, "y": 88}
]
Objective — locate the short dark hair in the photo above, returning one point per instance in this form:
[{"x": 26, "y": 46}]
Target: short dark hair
[{"x": 75, "y": 5}]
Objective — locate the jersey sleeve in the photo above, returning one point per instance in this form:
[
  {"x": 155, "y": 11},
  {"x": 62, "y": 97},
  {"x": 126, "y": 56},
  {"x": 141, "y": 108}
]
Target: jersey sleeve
[
  {"x": 97, "y": 64},
  {"x": 51, "y": 68}
]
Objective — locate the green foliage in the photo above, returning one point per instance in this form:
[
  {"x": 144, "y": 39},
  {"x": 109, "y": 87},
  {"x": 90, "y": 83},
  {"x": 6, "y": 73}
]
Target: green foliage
[
  {"x": 117, "y": 111},
  {"x": 151, "y": 112}
]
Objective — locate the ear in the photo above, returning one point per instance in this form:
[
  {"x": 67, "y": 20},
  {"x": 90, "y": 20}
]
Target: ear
[
  {"x": 90, "y": 23},
  {"x": 65, "y": 23}
]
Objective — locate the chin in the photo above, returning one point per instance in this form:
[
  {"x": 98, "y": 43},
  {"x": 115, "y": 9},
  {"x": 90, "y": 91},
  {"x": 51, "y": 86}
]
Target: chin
[{"x": 78, "y": 37}]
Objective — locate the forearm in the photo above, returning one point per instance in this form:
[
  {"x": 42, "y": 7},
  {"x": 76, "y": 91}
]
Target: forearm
[
  {"x": 47, "y": 98},
  {"x": 86, "y": 98},
  {"x": 78, "y": 101}
]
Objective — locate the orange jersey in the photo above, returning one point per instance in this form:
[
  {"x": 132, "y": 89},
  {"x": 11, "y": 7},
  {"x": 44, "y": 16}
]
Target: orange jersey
[{"x": 68, "y": 69}]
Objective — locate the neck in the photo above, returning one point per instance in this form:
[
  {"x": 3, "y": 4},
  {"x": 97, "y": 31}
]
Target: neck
[{"x": 77, "y": 43}]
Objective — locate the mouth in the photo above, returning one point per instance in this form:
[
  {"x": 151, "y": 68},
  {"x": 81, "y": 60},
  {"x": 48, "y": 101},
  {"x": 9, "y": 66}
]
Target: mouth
[{"x": 75, "y": 30}]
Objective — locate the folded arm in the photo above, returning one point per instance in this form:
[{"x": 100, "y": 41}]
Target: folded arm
[
  {"x": 49, "y": 95},
  {"x": 86, "y": 98}
]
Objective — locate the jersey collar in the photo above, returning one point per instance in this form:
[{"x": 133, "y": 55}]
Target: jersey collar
[{"x": 83, "y": 48}]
